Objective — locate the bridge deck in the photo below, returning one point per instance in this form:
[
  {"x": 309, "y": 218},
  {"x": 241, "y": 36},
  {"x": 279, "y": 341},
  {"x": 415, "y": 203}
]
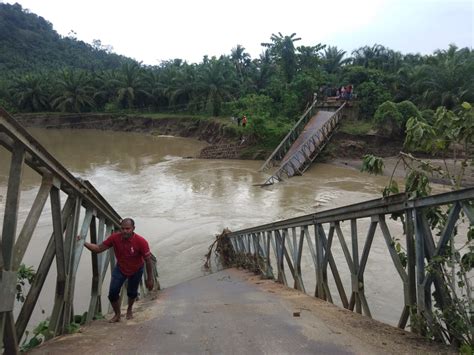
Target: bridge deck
[
  {"x": 314, "y": 124},
  {"x": 234, "y": 312}
]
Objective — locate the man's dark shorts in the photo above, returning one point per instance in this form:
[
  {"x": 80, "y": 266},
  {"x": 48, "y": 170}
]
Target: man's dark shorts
[{"x": 117, "y": 280}]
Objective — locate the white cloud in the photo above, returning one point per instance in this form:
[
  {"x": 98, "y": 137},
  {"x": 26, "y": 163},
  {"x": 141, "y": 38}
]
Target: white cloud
[{"x": 152, "y": 31}]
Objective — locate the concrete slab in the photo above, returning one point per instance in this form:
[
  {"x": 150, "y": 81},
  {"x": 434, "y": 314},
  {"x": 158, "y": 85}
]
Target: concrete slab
[{"x": 234, "y": 312}]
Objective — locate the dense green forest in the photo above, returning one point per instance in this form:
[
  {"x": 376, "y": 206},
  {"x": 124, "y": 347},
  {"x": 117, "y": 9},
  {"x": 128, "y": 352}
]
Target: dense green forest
[{"x": 43, "y": 71}]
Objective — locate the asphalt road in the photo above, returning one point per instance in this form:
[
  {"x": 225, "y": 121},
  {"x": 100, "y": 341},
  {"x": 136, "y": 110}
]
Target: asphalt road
[{"x": 235, "y": 312}]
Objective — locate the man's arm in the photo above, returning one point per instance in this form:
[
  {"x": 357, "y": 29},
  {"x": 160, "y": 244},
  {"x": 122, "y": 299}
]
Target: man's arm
[
  {"x": 149, "y": 271},
  {"x": 96, "y": 248}
]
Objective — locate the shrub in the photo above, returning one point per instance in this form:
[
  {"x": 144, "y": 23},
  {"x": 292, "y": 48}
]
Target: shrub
[
  {"x": 407, "y": 109},
  {"x": 388, "y": 119},
  {"x": 370, "y": 96}
]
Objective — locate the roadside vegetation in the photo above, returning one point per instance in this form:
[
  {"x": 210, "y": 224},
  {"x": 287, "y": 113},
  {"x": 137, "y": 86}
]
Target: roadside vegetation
[{"x": 450, "y": 135}]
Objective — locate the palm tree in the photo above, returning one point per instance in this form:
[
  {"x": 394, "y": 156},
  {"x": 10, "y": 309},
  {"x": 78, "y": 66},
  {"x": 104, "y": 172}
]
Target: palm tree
[
  {"x": 282, "y": 48},
  {"x": 308, "y": 56},
  {"x": 105, "y": 84},
  {"x": 241, "y": 60},
  {"x": 183, "y": 87},
  {"x": 215, "y": 83},
  {"x": 73, "y": 91},
  {"x": 129, "y": 84},
  {"x": 369, "y": 57},
  {"x": 265, "y": 70},
  {"x": 155, "y": 89},
  {"x": 333, "y": 59},
  {"x": 30, "y": 93},
  {"x": 449, "y": 78}
]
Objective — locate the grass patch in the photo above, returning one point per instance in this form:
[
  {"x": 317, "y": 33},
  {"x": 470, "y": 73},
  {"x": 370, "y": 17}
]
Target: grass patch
[{"x": 356, "y": 127}]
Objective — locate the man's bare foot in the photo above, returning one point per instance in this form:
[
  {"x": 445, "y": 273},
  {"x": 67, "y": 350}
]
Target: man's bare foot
[
  {"x": 129, "y": 314},
  {"x": 115, "y": 319}
]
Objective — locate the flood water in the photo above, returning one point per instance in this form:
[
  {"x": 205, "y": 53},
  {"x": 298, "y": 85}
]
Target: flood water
[{"x": 180, "y": 204}]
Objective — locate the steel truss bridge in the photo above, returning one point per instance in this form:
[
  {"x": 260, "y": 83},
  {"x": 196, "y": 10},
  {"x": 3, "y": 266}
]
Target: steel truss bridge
[
  {"x": 277, "y": 249},
  {"x": 84, "y": 212}
]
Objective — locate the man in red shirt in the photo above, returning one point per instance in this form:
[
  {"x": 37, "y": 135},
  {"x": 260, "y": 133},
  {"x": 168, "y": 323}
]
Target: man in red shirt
[{"x": 131, "y": 252}]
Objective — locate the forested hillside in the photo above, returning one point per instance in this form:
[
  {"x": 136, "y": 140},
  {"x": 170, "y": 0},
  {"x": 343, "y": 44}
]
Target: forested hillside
[
  {"x": 29, "y": 43},
  {"x": 41, "y": 71}
]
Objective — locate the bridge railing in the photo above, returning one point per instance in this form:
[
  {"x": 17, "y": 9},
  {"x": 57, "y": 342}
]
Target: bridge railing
[
  {"x": 287, "y": 239},
  {"x": 300, "y": 161},
  {"x": 85, "y": 212},
  {"x": 290, "y": 138}
]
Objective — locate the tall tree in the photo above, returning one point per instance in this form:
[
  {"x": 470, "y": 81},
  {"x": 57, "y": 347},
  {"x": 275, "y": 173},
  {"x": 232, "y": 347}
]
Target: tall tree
[
  {"x": 30, "y": 93},
  {"x": 241, "y": 60},
  {"x": 449, "y": 80},
  {"x": 105, "y": 87},
  {"x": 129, "y": 85},
  {"x": 308, "y": 57},
  {"x": 215, "y": 83},
  {"x": 333, "y": 59},
  {"x": 377, "y": 57},
  {"x": 282, "y": 48},
  {"x": 155, "y": 89},
  {"x": 73, "y": 91}
]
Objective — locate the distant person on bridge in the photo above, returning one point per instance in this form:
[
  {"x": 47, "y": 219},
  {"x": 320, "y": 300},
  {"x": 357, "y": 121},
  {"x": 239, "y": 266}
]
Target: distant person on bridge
[
  {"x": 244, "y": 121},
  {"x": 131, "y": 251}
]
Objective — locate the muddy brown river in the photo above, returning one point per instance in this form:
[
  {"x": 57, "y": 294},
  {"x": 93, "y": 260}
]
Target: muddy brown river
[{"x": 179, "y": 204}]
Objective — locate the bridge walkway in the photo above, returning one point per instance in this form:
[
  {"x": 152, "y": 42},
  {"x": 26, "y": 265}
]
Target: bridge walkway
[
  {"x": 307, "y": 146},
  {"x": 314, "y": 125},
  {"x": 235, "y": 311}
]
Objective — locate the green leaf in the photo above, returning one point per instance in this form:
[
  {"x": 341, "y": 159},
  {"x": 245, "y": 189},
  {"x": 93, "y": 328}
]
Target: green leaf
[{"x": 466, "y": 105}]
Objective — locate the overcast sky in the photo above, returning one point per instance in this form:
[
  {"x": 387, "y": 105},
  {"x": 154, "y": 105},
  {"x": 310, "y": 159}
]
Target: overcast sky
[{"x": 152, "y": 31}]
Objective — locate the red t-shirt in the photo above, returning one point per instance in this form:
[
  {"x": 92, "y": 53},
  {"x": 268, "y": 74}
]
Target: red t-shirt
[{"x": 129, "y": 252}]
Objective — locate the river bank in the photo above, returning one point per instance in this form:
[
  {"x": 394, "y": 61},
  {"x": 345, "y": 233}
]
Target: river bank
[
  {"x": 344, "y": 149},
  {"x": 209, "y": 130},
  {"x": 212, "y": 131}
]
